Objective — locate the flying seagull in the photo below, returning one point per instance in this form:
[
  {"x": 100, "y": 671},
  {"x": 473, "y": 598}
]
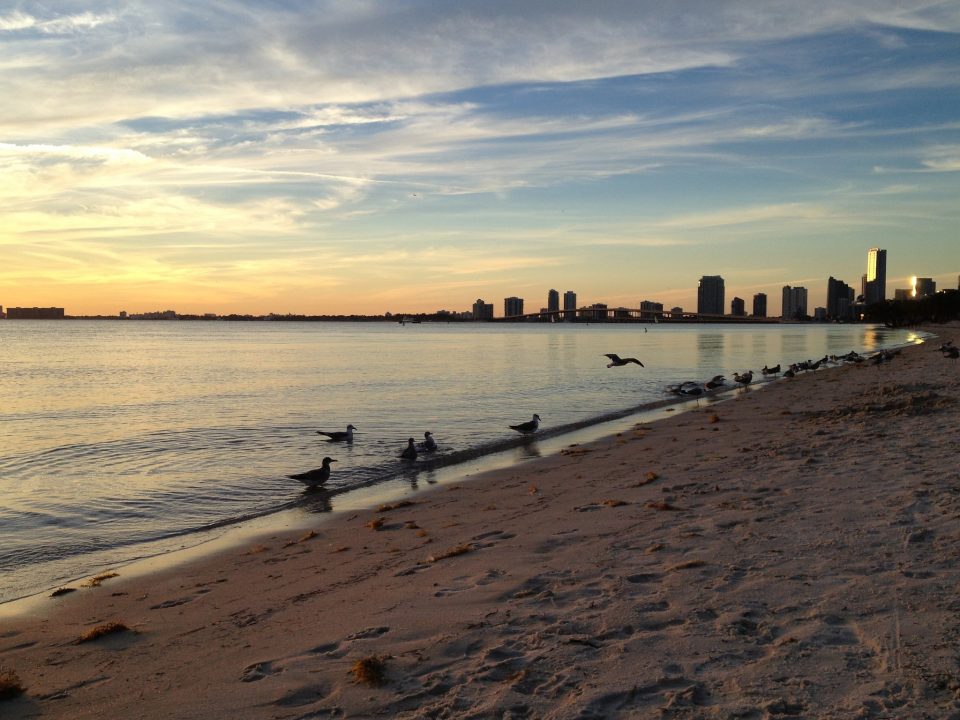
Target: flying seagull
[
  {"x": 617, "y": 361},
  {"x": 410, "y": 451},
  {"x": 317, "y": 477},
  {"x": 339, "y": 435},
  {"x": 528, "y": 427}
]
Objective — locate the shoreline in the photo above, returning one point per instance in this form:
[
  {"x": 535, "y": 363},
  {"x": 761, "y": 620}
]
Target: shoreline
[
  {"x": 442, "y": 468},
  {"x": 786, "y": 552}
]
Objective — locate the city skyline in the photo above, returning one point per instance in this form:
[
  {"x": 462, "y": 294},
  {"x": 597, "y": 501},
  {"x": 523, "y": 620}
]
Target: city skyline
[{"x": 329, "y": 157}]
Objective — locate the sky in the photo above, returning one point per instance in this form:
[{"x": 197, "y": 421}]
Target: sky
[{"x": 370, "y": 156}]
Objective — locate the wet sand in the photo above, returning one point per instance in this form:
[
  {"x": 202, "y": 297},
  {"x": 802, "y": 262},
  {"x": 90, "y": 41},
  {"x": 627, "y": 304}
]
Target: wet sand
[{"x": 787, "y": 553}]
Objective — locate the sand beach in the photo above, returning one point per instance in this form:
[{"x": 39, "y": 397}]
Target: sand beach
[{"x": 787, "y": 553}]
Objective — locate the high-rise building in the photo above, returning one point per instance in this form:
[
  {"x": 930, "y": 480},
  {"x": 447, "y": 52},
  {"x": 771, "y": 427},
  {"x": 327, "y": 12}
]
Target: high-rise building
[
  {"x": 875, "y": 288},
  {"x": 840, "y": 298},
  {"x": 760, "y": 305},
  {"x": 553, "y": 301},
  {"x": 738, "y": 307},
  {"x": 482, "y": 310},
  {"x": 794, "y": 305},
  {"x": 901, "y": 294},
  {"x": 923, "y": 287},
  {"x": 569, "y": 305},
  {"x": 512, "y": 307},
  {"x": 710, "y": 295}
]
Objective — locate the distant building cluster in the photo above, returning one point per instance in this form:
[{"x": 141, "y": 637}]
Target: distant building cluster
[
  {"x": 34, "y": 313},
  {"x": 842, "y": 304}
]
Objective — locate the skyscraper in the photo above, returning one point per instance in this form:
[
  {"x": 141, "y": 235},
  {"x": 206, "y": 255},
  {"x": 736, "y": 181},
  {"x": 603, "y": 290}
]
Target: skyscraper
[
  {"x": 710, "y": 295},
  {"x": 760, "y": 305},
  {"x": 794, "y": 303},
  {"x": 738, "y": 307},
  {"x": 839, "y": 300},
  {"x": 569, "y": 305},
  {"x": 482, "y": 310},
  {"x": 553, "y": 301},
  {"x": 923, "y": 287},
  {"x": 512, "y": 306},
  {"x": 875, "y": 289}
]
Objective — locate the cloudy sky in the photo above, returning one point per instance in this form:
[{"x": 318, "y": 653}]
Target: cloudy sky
[{"x": 328, "y": 156}]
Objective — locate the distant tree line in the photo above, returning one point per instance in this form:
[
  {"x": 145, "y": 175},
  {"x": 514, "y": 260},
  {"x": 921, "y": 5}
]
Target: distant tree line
[{"x": 939, "y": 308}]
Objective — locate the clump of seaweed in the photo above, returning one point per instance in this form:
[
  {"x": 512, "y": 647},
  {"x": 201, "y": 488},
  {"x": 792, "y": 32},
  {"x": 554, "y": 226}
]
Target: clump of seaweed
[
  {"x": 110, "y": 628},
  {"x": 62, "y": 591},
  {"x": 714, "y": 418},
  {"x": 376, "y": 523},
  {"x": 370, "y": 670},
  {"x": 451, "y": 552},
  {"x": 661, "y": 505},
  {"x": 396, "y": 506},
  {"x": 614, "y": 503},
  {"x": 97, "y": 580},
  {"x": 687, "y": 565},
  {"x": 10, "y": 685}
]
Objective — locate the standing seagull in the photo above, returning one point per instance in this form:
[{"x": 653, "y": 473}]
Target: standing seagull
[
  {"x": 428, "y": 444},
  {"x": 528, "y": 427},
  {"x": 317, "y": 477},
  {"x": 410, "y": 451},
  {"x": 744, "y": 379},
  {"x": 339, "y": 435},
  {"x": 617, "y": 361},
  {"x": 952, "y": 352}
]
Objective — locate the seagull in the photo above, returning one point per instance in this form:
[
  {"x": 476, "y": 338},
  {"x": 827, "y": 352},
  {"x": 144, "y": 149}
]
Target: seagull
[
  {"x": 528, "y": 427},
  {"x": 717, "y": 381},
  {"x": 744, "y": 379},
  {"x": 945, "y": 347},
  {"x": 317, "y": 477},
  {"x": 775, "y": 370},
  {"x": 410, "y": 451},
  {"x": 428, "y": 444},
  {"x": 339, "y": 435},
  {"x": 617, "y": 361}
]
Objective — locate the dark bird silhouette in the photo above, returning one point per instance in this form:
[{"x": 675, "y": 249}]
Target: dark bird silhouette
[
  {"x": 428, "y": 444},
  {"x": 945, "y": 347},
  {"x": 744, "y": 379},
  {"x": 716, "y": 382},
  {"x": 531, "y": 426},
  {"x": 952, "y": 352},
  {"x": 339, "y": 435},
  {"x": 617, "y": 361},
  {"x": 317, "y": 477},
  {"x": 775, "y": 370},
  {"x": 410, "y": 451}
]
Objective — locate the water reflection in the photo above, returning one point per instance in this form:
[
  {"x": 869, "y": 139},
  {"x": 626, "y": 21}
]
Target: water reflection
[
  {"x": 316, "y": 500},
  {"x": 527, "y": 450}
]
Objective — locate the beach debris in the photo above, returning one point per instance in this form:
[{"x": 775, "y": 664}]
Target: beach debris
[
  {"x": 533, "y": 490},
  {"x": 614, "y": 503},
  {"x": 422, "y": 533},
  {"x": 110, "y": 628},
  {"x": 376, "y": 523},
  {"x": 370, "y": 670},
  {"x": 574, "y": 451},
  {"x": 309, "y": 535},
  {"x": 688, "y": 565},
  {"x": 62, "y": 591},
  {"x": 396, "y": 506},
  {"x": 656, "y": 547},
  {"x": 97, "y": 580},
  {"x": 342, "y": 548},
  {"x": 451, "y": 552},
  {"x": 257, "y": 550},
  {"x": 661, "y": 505},
  {"x": 10, "y": 685},
  {"x": 714, "y": 418},
  {"x": 411, "y": 525}
]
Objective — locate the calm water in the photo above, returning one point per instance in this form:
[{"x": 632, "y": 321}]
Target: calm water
[{"x": 117, "y": 433}]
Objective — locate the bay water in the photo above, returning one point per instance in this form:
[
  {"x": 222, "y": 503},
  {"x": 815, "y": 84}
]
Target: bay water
[{"x": 119, "y": 435}]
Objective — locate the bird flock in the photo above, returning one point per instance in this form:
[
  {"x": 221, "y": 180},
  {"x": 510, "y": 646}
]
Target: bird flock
[{"x": 689, "y": 388}]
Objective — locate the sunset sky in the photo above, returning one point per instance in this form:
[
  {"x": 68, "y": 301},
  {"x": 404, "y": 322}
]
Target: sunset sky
[{"x": 409, "y": 155}]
